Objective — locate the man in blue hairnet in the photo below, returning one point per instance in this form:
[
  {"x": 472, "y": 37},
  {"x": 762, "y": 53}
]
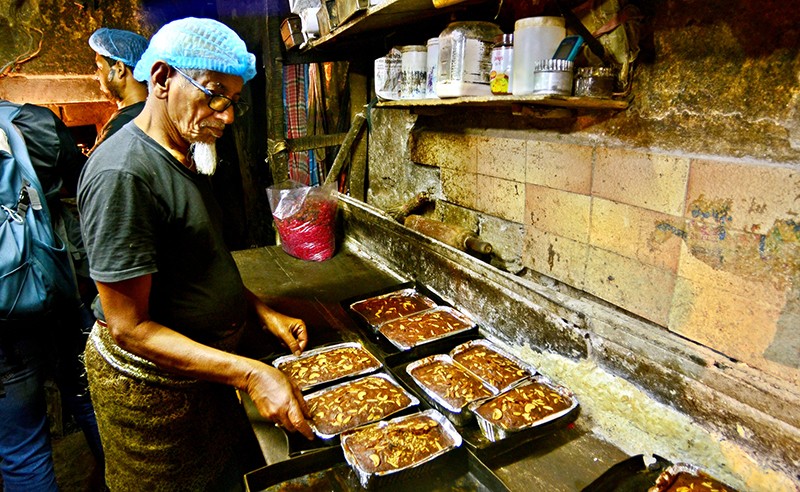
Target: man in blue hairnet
[
  {"x": 117, "y": 52},
  {"x": 162, "y": 371}
]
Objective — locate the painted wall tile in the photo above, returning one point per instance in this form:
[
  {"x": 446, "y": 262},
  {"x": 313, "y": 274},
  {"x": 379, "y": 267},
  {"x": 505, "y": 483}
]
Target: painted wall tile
[
  {"x": 555, "y": 256},
  {"x": 630, "y": 284},
  {"x": 652, "y": 181},
  {"x": 450, "y": 150},
  {"x": 502, "y": 158},
  {"x": 753, "y": 197},
  {"x": 743, "y": 319},
  {"x": 565, "y": 167},
  {"x": 501, "y": 198},
  {"x": 459, "y": 187},
  {"x": 558, "y": 212},
  {"x": 637, "y": 233}
]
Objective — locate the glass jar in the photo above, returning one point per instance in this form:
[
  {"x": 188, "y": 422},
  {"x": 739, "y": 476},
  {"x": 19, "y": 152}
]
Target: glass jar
[
  {"x": 465, "y": 58},
  {"x": 594, "y": 82},
  {"x": 502, "y": 63}
]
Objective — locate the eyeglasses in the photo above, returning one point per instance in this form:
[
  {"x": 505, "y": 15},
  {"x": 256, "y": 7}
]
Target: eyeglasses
[{"x": 217, "y": 102}]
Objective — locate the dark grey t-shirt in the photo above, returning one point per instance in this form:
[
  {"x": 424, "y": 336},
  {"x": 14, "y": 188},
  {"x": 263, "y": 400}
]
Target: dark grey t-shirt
[{"x": 142, "y": 212}]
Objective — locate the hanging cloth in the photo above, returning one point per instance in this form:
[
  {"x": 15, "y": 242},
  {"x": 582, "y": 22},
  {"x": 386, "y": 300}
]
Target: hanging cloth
[{"x": 294, "y": 110}]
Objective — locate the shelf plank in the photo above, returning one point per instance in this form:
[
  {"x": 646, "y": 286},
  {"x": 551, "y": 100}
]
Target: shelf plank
[{"x": 569, "y": 102}]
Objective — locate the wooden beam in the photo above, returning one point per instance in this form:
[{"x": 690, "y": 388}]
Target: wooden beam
[
  {"x": 344, "y": 151},
  {"x": 311, "y": 142}
]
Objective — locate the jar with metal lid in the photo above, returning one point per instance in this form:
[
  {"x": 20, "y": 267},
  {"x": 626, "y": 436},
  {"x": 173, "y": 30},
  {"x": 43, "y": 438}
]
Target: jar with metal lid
[
  {"x": 502, "y": 64},
  {"x": 594, "y": 82},
  {"x": 552, "y": 77},
  {"x": 465, "y": 60}
]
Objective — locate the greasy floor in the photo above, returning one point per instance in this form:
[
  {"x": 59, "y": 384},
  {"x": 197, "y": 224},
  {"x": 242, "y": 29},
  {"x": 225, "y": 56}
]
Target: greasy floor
[{"x": 74, "y": 464}]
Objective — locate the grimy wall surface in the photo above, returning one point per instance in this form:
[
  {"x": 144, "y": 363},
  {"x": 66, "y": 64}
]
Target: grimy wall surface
[{"x": 681, "y": 213}]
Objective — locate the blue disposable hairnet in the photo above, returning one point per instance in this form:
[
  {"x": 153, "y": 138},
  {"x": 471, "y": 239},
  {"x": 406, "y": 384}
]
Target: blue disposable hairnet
[
  {"x": 118, "y": 44},
  {"x": 198, "y": 44}
]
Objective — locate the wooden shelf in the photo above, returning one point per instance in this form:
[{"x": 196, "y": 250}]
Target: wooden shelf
[
  {"x": 567, "y": 102},
  {"x": 391, "y": 14}
]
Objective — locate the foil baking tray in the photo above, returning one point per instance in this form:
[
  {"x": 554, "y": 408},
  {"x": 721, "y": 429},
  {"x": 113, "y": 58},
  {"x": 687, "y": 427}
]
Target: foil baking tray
[
  {"x": 496, "y": 433},
  {"x": 447, "y": 315},
  {"x": 527, "y": 369},
  {"x": 459, "y": 415},
  {"x": 680, "y": 476},
  {"x": 413, "y": 401},
  {"x": 427, "y": 466},
  {"x": 417, "y": 302},
  {"x": 373, "y": 365}
]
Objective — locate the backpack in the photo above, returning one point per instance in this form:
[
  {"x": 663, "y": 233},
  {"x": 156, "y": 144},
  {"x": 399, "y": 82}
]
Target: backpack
[{"x": 35, "y": 270}]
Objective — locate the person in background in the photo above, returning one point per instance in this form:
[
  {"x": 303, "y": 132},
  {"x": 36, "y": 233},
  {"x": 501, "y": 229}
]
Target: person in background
[
  {"x": 116, "y": 53},
  {"x": 48, "y": 346},
  {"x": 162, "y": 367}
]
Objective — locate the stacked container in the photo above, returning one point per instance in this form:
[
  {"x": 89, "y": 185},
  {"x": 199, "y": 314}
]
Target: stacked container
[{"x": 535, "y": 39}]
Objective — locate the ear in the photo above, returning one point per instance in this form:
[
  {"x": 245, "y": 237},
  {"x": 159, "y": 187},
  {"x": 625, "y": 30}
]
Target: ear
[
  {"x": 119, "y": 68},
  {"x": 160, "y": 79}
]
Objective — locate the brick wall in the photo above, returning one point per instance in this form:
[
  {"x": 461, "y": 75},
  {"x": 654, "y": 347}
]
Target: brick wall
[{"x": 706, "y": 248}]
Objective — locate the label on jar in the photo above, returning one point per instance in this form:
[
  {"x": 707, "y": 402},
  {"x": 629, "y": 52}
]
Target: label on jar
[
  {"x": 502, "y": 65},
  {"x": 468, "y": 60}
]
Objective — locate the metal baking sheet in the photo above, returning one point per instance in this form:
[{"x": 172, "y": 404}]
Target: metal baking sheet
[
  {"x": 376, "y": 364},
  {"x": 458, "y": 415},
  {"x": 427, "y": 303},
  {"x": 496, "y": 433},
  {"x": 458, "y": 315},
  {"x": 524, "y": 366},
  {"x": 422, "y": 468},
  {"x": 414, "y": 401},
  {"x": 327, "y": 471}
]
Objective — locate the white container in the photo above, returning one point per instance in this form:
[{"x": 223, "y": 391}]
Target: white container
[
  {"x": 413, "y": 71},
  {"x": 465, "y": 59},
  {"x": 387, "y": 75},
  {"x": 433, "y": 65},
  {"x": 535, "y": 38},
  {"x": 309, "y": 23}
]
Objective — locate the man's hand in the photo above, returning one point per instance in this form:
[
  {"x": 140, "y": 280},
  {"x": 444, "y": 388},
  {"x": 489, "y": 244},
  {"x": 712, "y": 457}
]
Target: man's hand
[
  {"x": 278, "y": 399},
  {"x": 291, "y": 331}
]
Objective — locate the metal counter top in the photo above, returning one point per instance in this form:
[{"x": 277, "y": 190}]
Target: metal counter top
[{"x": 567, "y": 460}]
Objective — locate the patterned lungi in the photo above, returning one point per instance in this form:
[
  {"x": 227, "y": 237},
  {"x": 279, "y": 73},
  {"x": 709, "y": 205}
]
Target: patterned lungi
[{"x": 160, "y": 431}]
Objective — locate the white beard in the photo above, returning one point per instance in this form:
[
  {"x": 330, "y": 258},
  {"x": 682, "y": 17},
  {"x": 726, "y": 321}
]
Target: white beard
[{"x": 205, "y": 157}]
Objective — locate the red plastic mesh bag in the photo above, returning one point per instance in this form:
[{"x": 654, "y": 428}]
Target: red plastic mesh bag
[{"x": 305, "y": 217}]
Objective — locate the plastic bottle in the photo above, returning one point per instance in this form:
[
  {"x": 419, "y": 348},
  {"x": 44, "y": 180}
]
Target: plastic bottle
[
  {"x": 535, "y": 38},
  {"x": 465, "y": 59}
]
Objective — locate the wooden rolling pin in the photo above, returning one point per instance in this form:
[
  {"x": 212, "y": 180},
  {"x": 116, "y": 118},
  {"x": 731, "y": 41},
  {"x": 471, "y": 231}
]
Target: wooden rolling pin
[{"x": 454, "y": 236}]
